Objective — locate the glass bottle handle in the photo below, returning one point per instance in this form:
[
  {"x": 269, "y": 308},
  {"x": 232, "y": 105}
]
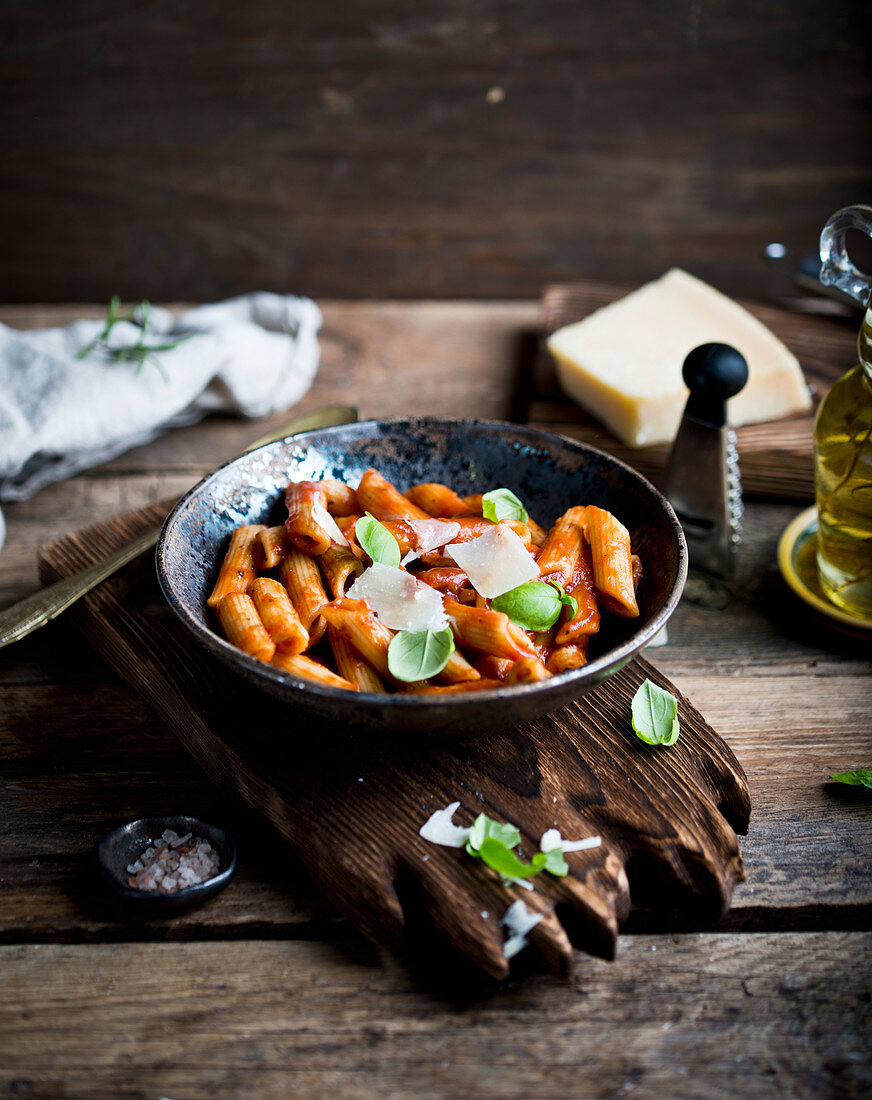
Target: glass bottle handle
[{"x": 836, "y": 266}]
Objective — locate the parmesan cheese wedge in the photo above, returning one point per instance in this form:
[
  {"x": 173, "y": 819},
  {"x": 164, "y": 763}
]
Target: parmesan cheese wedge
[{"x": 623, "y": 362}]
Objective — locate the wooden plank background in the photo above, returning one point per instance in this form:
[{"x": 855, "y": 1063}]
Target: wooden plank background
[{"x": 376, "y": 148}]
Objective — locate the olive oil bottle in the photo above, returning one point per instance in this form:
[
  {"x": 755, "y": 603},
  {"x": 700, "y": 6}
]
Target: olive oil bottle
[{"x": 843, "y": 440}]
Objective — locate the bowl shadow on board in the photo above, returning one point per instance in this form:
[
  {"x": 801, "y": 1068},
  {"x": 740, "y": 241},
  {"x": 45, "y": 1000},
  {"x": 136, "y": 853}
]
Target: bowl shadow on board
[{"x": 547, "y": 472}]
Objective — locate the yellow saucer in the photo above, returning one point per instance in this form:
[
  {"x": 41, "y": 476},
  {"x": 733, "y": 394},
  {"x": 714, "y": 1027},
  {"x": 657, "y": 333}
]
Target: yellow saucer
[{"x": 798, "y": 565}]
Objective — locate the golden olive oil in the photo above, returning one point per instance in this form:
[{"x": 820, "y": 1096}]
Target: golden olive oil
[{"x": 843, "y": 485}]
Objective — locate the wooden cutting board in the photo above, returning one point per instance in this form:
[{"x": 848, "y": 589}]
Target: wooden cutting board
[
  {"x": 350, "y": 804},
  {"x": 775, "y": 458}
]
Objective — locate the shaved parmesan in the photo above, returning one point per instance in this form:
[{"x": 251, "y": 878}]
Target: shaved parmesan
[
  {"x": 552, "y": 839},
  {"x": 433, "y": 533},
  {"x": 325, "y": 520},
  {"x": 440, "y": 829},
  {"x": 518, "y": 921},
  {"x": 430, "y": 534},
  {"x": 495, "y": 562},
  {"x": 400, "y": 601}
]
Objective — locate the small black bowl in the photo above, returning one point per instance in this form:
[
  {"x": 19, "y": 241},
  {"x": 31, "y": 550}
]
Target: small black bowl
[{"x": 122, "y": 846}]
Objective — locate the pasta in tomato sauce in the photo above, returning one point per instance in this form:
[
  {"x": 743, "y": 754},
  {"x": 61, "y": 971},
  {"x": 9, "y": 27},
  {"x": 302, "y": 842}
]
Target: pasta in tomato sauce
[{"x": 424, "y": 591}]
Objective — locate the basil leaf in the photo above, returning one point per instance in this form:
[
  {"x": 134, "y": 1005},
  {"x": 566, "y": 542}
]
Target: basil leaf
[
  {"x": 495, "y": 854},
  {"x": 566, "y": 599},
  {"x": 502, "y": 504},
  {"x": 555, "y": 862},
  {"x": 377, "y": 541},
  {"x": 484, "y": 827},
  {"x": 532, "y": 605},
  {"x": 862, "y": 777},
  {"x": 418, "y": 655},
  {"x": 655, "y": 715}
]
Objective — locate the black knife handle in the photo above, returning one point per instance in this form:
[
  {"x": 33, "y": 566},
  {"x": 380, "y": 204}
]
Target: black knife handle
[{"x": 713, "y": 373}]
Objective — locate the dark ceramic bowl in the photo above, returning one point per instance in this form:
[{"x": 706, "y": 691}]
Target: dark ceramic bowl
[
  {"x": 548, "y": 473},
  {"x": 122, "y": 846}
]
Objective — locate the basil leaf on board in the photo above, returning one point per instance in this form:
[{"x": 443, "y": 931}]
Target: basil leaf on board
[
  {"x": 495, "y": 854},
  {"x": 418, "y": 655},
  {"x": 484, "y": 827},
  {"x": 532, "y": 605},
  {"x": 377, "y": 541},
  {"x": 502, "y": 504},
  {"x": 655, "y": 715},
  {"x": 566, "y": 599},
  {"x": 861, "y": 777},
  {"x": 492, "y": 842}
]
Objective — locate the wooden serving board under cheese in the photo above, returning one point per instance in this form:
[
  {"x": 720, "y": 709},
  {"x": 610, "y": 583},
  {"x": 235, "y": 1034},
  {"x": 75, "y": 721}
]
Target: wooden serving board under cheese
[{"x": 775, "y": 455}]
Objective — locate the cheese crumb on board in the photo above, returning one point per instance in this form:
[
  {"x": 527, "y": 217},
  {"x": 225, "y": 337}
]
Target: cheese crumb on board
[{"x": 623, "y": 362}]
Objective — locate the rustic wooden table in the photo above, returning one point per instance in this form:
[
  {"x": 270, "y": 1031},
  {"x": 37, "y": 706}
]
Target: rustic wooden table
[{"x": 265, "y": 992}]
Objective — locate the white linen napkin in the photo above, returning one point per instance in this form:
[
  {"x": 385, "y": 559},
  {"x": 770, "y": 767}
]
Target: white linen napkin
[{"x": 251, "y": 355}]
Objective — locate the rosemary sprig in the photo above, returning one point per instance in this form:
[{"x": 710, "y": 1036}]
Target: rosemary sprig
[{"x": 140, "y": 352}]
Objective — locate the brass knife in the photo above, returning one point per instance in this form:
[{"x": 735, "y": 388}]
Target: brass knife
[{"x": 34, "y": 611}]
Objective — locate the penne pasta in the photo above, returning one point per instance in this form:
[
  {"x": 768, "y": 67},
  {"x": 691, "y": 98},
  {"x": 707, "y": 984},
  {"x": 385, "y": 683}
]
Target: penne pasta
[
  {"x": 339, "y": 567},
  {"x": 351, "y": 665},
  {"x": 302, "y": 580},
  {"x": 242, "y": 626},
  {"x": 309, "y": 526},
  {"x": 377, "y": 496},
  {"x": 406, "y": 538},
  {"x": 612, "y": 567},
  {"x": 436, "y": 500},
  {"x": 538, "y": 534},
  {"x": 473, "y": 504},
  {"x": 304, "y": 667},
  {"x": 340, "y": 499},
  {"x": 446, "y": 578},
  {"x": 279, "y": 615},
  {"x": 558, "y": 557},
  {"x": 543, "y": 642},
  {"x": 451, "y": 689},
  {"x": 458, "y": 670},
  {"x": 270, "y": 547},
  {"x": 528, "y": 670},
  {"x": 365, "y": 633},
  {"x": 237, "y": 570},
  {"x": 586, "y": 620},
  {"x": 488, "y": 631},
  {"x": 493, "y": 668},
  {"x": 567, "y": 657}
]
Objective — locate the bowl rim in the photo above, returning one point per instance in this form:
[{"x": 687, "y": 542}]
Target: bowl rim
[{"x": 618, "y": 655}]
